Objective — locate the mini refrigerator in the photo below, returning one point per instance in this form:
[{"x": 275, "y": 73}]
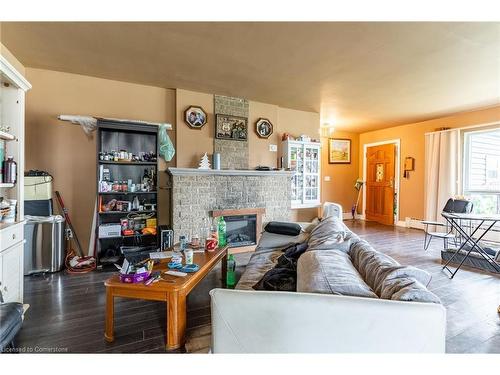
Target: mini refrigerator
[{"x": 44, "y": 249}]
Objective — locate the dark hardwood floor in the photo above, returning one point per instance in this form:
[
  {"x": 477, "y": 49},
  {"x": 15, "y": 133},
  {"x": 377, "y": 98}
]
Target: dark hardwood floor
[{"x": 67, "y": 311}]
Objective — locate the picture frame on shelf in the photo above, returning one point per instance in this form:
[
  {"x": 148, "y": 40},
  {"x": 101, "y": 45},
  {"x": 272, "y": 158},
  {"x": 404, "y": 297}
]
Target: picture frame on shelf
[
  {"x": 195, "y": 116},
  {"x": 263, "y": 128},
  {"x": 339, "y": 151},
  {"x": 231, "y": 127}
]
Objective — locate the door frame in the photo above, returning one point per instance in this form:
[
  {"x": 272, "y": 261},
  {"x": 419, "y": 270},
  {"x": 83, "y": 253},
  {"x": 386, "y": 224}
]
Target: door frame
[{"x": 397, "y": 164}]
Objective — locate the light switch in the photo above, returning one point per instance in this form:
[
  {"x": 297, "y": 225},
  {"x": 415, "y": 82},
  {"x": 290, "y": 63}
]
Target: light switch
[
  {"x": 273, "y": 148},
  {"x": 327, "y": 178}
]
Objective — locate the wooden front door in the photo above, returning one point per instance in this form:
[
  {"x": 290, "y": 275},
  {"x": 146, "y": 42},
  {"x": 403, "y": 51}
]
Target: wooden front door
[{"x": 380, "y": 162}]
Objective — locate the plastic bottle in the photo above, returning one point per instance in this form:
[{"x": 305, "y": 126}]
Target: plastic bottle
[
  {"x": 231, "y": 271},
  {"x": 9, "y": 170},
  {"x": 222, "y": 231}
]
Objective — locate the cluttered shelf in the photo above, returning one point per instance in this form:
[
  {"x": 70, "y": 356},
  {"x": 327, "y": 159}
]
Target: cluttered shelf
[
  {"x": 127, "y": 162},
  {"x": 138, "y": 235},
  {"x": 126, "y": 212},
  {"x": 126, "y": 192}
]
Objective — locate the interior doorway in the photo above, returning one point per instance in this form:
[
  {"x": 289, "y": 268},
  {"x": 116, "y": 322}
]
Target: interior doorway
[{"x": 381, "y": 175}]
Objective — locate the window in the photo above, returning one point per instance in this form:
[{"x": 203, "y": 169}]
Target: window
[{"x": 482, "y": 170}]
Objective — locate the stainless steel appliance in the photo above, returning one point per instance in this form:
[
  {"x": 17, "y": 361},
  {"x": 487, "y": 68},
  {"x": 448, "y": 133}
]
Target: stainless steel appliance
[{"x": 44, "y": 249}]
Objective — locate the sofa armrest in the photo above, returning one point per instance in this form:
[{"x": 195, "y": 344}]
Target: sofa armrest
[{"x": 285, "y": 322}]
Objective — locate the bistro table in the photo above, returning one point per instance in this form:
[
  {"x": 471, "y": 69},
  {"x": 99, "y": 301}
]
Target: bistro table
[{"x": 483, "y": 222}]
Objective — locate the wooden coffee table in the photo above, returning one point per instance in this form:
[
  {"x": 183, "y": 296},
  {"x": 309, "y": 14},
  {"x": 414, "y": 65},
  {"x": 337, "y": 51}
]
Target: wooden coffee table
[{"x": 171, "y": 289}]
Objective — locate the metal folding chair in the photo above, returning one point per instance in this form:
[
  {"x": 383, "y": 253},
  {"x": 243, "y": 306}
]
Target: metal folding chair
[{"x": 460, "y": 206}]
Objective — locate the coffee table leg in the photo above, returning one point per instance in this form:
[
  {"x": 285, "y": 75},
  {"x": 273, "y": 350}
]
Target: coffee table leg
[
  {"x": 110, "y": 311},
  {"x": 224, "y": 269},
  {"x": 176, "y": 320}
]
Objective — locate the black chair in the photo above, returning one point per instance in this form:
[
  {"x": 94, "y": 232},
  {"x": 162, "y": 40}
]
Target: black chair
[
  {"x": 11, "y": 321},
  {"x": 458, "y": 206}
]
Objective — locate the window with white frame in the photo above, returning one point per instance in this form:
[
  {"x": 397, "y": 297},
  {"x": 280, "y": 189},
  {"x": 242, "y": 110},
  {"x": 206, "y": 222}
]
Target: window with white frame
[{"x": 481, "y": 171}]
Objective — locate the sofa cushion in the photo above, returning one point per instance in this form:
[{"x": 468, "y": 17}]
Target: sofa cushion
[
  {"x": 328, "y": 234},
  {"x": 387, "y": 277},
  {"x": 409, "y": 289},
  {"x": 330, "y": 272},
  {"x": 283, "y": 227},
  {"x": 257, "y": 266},
  {"x": 275, "y": 241}
]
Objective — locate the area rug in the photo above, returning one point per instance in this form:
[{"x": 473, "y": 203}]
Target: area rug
[{"x": 198, "y": 340}]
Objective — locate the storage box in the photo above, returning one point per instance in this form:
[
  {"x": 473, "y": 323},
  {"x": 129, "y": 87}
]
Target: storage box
[
  {"x": 37, "y": 188},
  {"x": 110, "y": 230}
]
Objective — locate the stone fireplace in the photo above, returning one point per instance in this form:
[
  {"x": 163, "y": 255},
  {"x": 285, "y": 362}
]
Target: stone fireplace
[{"x": 199, "y": 195}]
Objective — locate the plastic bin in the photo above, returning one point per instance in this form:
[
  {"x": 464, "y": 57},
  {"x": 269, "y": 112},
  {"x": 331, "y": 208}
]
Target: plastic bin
[{"x": 44, "y": 249}]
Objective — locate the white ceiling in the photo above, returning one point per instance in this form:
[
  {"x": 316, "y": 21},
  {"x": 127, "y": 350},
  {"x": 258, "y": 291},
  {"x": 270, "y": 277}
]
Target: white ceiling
[{"x": 359, "y": 76}]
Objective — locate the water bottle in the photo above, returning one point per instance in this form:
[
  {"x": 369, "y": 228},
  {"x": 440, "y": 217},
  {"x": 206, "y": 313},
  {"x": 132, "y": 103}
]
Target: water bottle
[
  {"x": 231, "y": 271},
  {"x": 9, "y": 170},
  {"x": 222, "y": 232}
]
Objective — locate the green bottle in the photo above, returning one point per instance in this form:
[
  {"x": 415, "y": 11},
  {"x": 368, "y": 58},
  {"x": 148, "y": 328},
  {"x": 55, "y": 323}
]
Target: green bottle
[
  {"x": 231, "y": 272},
  {"x": 222, "y": 232}
]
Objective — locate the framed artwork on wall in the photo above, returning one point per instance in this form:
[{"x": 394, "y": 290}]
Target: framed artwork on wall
[
  {"x": 339, "y": 151},
  {"x": 231, "y": 127},
  {"x": 264, "y": 128},
  {"x": 195, "y": 117}
]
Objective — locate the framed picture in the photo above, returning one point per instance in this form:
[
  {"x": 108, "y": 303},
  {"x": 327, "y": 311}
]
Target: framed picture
[
  {"x": 231, "y": 127},
  {"x": 264, "y": 128},
  {"x": 339, "y": 151},
  {"x": 195, "y": 117}
]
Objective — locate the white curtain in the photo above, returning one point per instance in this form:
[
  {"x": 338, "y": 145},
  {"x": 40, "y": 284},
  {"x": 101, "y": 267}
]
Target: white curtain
[{"x": 442, "y": 171}]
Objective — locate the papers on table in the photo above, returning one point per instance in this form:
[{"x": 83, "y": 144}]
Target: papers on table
[{"x": 161, "y": 255}]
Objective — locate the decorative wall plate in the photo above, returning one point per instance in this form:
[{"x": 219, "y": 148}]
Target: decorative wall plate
[{"x": 264, "y": 128}]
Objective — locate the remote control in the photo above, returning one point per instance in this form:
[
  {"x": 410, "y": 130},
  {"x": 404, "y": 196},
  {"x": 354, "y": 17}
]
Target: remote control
[{"x": 176, "y": 273}]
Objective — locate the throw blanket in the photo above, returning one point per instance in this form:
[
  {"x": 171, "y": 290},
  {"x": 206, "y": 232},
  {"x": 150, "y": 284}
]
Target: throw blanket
[{"x": 283, "y": 277}]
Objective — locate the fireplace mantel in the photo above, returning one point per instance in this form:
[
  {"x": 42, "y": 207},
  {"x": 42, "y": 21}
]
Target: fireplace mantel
[{"x": 225, "y": 172}]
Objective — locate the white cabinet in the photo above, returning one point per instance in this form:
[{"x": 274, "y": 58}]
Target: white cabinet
[
  {"x": 12, "y": 92},
  {"x": 11, "y": 262},
  {"x": 304, "y": 158}
]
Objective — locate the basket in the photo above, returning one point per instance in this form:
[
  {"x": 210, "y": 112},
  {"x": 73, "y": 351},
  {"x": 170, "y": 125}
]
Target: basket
[{"x": 133, "y": 278}]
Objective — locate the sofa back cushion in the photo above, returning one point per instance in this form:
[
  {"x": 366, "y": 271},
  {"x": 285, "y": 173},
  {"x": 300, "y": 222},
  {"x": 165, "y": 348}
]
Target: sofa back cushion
[
  {"x": 388, "y": 278},
  {"x": 328, "y": 234},
  {"x": 330, "y": 272}
]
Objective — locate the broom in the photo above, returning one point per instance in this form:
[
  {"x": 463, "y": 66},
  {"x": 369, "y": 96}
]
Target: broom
[{"x": 358, "y": 186}]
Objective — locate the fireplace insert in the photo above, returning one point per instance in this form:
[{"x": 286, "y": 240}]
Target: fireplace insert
[{"x": 241, "y": 230}]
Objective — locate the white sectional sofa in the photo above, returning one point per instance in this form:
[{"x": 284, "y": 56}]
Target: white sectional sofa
[{"x": 337, "y": 307}]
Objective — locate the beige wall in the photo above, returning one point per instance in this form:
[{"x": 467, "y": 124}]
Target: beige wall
[
  {"x": 12, "y": 59},
  {"x": 63, "y": 150},
  {"x": 413, "y": 144},
  {"x": 193, "y": 143}
]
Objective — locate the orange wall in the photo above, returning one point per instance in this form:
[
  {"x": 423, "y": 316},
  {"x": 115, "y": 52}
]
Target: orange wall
[
  {"x": 413, "y": 144},
  {"x": 340, "y": 188},
  {"x": 64, "y": 151}
]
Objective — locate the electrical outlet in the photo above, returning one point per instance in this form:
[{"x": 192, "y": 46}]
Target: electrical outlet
[
  {"x": 327, "y": 178},
  {"x": 273, "y": 148}
]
